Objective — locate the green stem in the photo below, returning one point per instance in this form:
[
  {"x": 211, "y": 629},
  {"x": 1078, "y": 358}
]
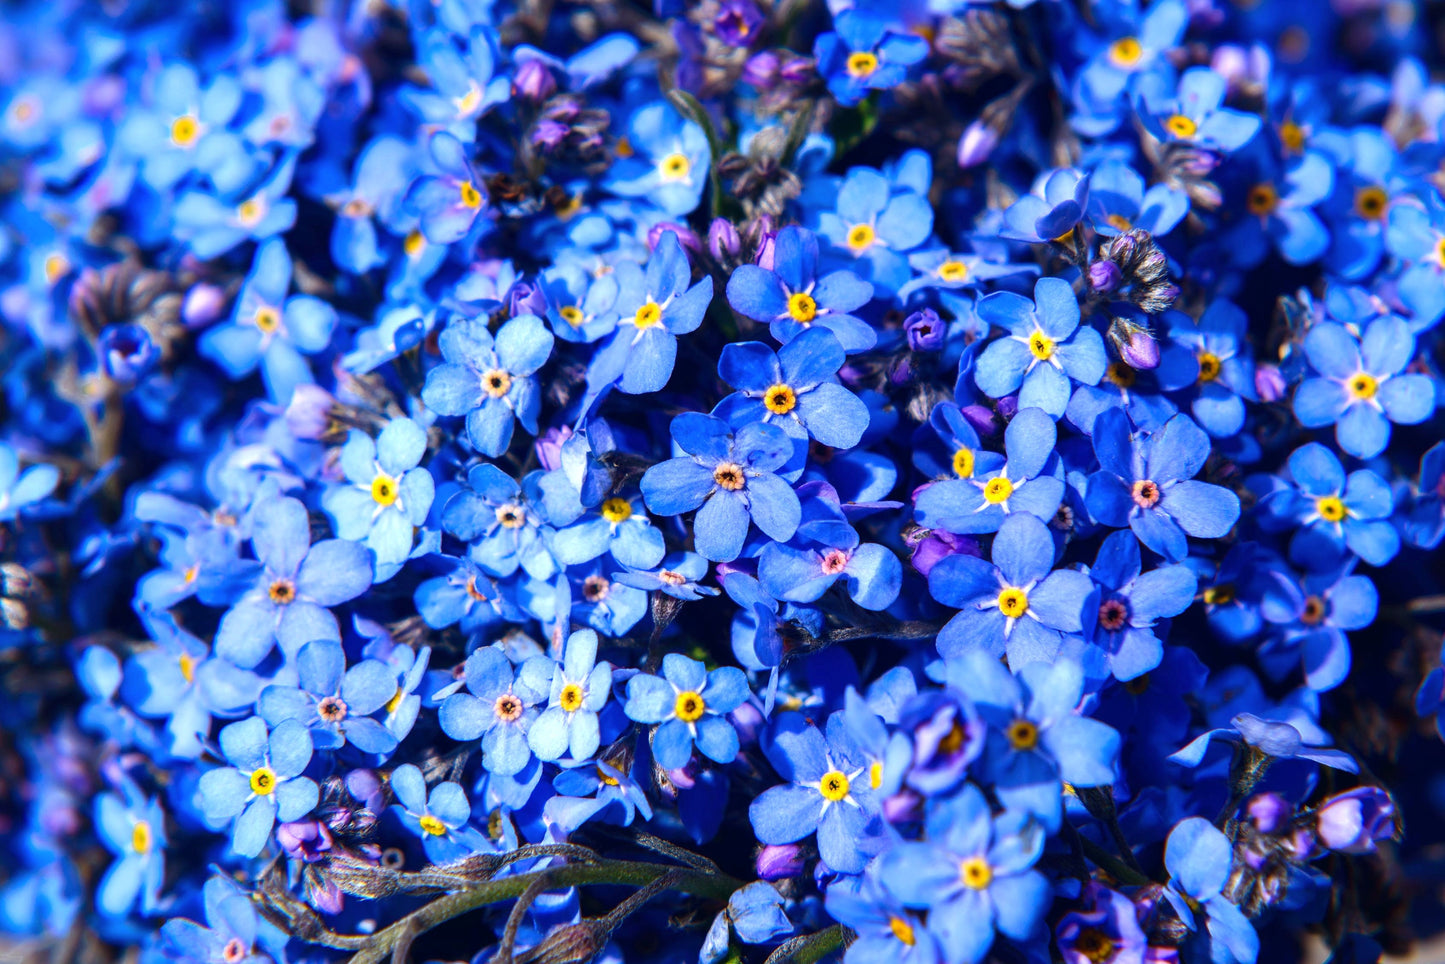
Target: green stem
[
  {"x": 811, "y": 947},
  {"x": 1115, "y": 867},
  {"x": 378, "y": 947}
]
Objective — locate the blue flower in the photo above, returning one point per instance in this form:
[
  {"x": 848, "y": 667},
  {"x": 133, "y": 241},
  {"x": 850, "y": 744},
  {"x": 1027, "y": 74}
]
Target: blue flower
[
  {"x": 498, "y": 708},
  {"x": 1131, "y": 602},
  {"x": 490, "y": 380},
  {"x": 974, "y": 874},
  {"x": 263, "y": 782},
  {"x": 1334, "y": 512},
  {"x": 19, "y": 490},
  {"x": 617, "y": 526},
  {"x": 1360, "y": 388},
  {"x": 1217, "y": 361},
  {"x": 688, "y": 704},
  {"x": 1136, "y": 53},
  {"x": 1313, "y": 616},
  {"x": 378, "y": 185},
  {"x": 888, "y": 932},
  {"x": 464, "y": 85},
  {"x": 294, "y": 584},
  {"x": 678, "y": 577},
  {"x": 271, "y": 330},
  {"x": 790, "y": 298},
  {"x": 337, "y": 708},
  {"x": 184, "y": 129},
  {"x": 863, "y": 54},
  {"x": 578, "y": 689},
  {"x": 730, "y": 475},
  {"x": 1279, "y": 211},
  {"x": 1416, "y": 235},
  {"x": 448, "y": 202},
  {"x": 388, "y": 494},
  {"x": 1199, "y": 859},
  {"x": 502, "y": 520},
  {"x": 652, "y": 310},
  {"x": 465, "y": 595},
  {"x": 827, "y": 793},
  {"x": 872, "y": 228},
  {"x": 1273, "y": 738},
  {"x": 608, "y": 608},
  {"x": 580, "y": 307},
  {"x": 1027, "y": 481},
  {"x": 1118, "y": 202},
  {"x": 1147, "y": 483},
  {"x": 1424, "y": 523},
  {"x": 1045, "y": 351},
  {"x": 1361, "y": 204},
  {"x": 667, "y": 164},
  {"x": 824, "y": 551},
  {"x": 440, "y": 819},
  {"x": 211, "y": 226},
  {"x": 957, "y": 271},
  {"x": 1016, "y": 604},
  {"x": 1057, "y": 204},
  {"x": 796, "y": 389},
  {"x": 134, "y": 830},
  {"x": 233, "y": 932},
  {"x": 1197, "y": 115}
]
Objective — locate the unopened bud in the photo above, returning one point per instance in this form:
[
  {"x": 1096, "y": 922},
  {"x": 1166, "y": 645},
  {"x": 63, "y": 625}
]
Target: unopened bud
[
  {"x": 1352, "y": 821},
  {"x": 926, "y": 331},
  {"x": 1269, "y": 811},
  {"x": 571, "y": 944},
  {"x": 762, "y": 70},
  {"x": 1134, "y": 344},
  {"x": 779, "y": 861},
  {"x": 127, "y": 352},
  {"x": 1105, "y": 276},
  {"x": 203, "y": 305},
  {"x": 533, "y": 81},
  {"x": 723, "y": 242},
  {"x": 308, "y": 415},
  {"x": 1270, "y": 383},
  {"x": 685, "y": 236},
  {"x": 977, "y": 143}
]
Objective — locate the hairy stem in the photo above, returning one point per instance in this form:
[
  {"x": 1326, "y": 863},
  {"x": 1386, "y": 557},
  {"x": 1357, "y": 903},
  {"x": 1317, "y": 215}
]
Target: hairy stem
[{"x": 810, "y": 947}]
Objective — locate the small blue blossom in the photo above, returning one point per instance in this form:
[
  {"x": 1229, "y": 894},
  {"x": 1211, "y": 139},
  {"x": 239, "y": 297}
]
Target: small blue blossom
[
  {"x": 134, "y": 830},
  {"x": 1118, "y": 202},
  {"x": 795, "y": 388},
  {"x": 618, "y": 526},
  {"x": 1333, "y": 512},
  {"x": 1216, "y": 362},
  {"x": 263, "y": 782},
  {"x": 1279, "y": 213},
  {"x": 387, "y": 493},
  {"x": 1025, "y": 481},
  {"x": 212, "y": 226},
  {"x": 335, "y": 702},
  {"x": 503, "y": 522},
  {"x": 464, "y": 83},
  {"x": 440, "y": 818},
  {"x": 19, "y": 490},
  {"x": 666, "y": 163},
  {"x": 233, "y": 933},
  {"x": 864, "y": 55},
  {"x": 1046, "y": 350},
  {"x": 872, "y": 228},
  {"x": 580, "y": 307},
  {"x": 578, "y": 689},
  {"x": 678, "y": 576},
  {"x": 1197, "y": 115},
  {"x": 448, "y": 202},
  {"x": 688, "y": 705},
  {"x": 1058, "y": 203},
  {"x": 1130, "y": 604},
  {"x": 490, "y": 380},
  {"x": 498, "y": 707},
  {"x": 790, "y": 298},
  {"x": 1199, "y": 859}
]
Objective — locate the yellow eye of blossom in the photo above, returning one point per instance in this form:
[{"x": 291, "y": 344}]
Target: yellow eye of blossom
[
  {"x": 471, "y": 197},
  {"x": 902, "y": 930},
  {"x": 184, "y": 130},
  {"x": 141, "y": 839},
  {"x": 862, "y": 64},
  {"x": 998, "y": 490},
  {"x": 1023, "y": 735},
  {"x": 1121, "y": 375},
  {"x": 1262, "y": 200},
  {"x": 780, "y": 399},
  {"x": 394, "y": 704},
  {"x": 1209, "y": 366},
  {"x": 1371, "y": 202},
  {"x": 1292, "y": 136},
  {"x": 861, "y": 236},
  {"x": 267, "y": 319},
  {"x": 1331, "y": 508},
  {"x": 802, "y": 307},
  {"x": 1126, "y": 52},
  {"x": 1041, "y": 346},
  {"x": 1181, "y": 126},
  {"x": 1364, "y": 385},
  {"x": 432, "y": 825},
  {"x": 963, "y": 462},
  {"x": 250, "y": 212},
  {"x": 1119, "y": 223},
  {"x": 1013, "y": 603},
  {"x": 497, "y": 383},
  {"x": 690, "y": 706},
  {"x": 570, "y": 699},
  {"x": 953, "y": 271},
  {"x": 616, "y": 510},
  {"x": 648, "y": 315},
  {"x": 56, "y": 266},
  {"x": 414, "y": 245},
  {"x": 834, "y": 785},
  {"x": 383, "y": 489},
  {"x": 976, "y": 873},
  {"x": 675, "y": 167},
  {"x": 729, "y": 475},
  {"x": 263, "y": 781},
  {"x": 571, "y": 314},
  {"x": 188, "y": 667},
  {"x": 282, "y": 591},
  {"x": 1220, "y": 595},
  {"x": 510, "y": 517}
]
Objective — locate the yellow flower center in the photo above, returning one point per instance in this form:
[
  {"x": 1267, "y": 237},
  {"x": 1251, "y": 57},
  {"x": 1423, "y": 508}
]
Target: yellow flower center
[
  {"x": 902, "y": 930},
  {"x": 1331, "y": 508},
  {"x": 729, "y": 475},
  {"x": 1364, "y": 385},
  {"x": 1209, "y": 366},
  {"x": 1041, "y": 346},
  {"x": 141, "y": 839},
  {"x": 250, "y": 212},
  {"x": 1119, "y": 223},
  {"x": 570, "y": 699},
  {"x": 997, "y": 490},
  {"x": 188, "y": 667},
  {"x": 1262, "y": 200},
  {"x": 1121, "y": 374},
  {"x": 414, "y": 245},
  {"x": 1146, "y": 493},
  {"x": 780, "y": 399},
  {"x": 1314, "y": 612},
  {"x": 394, "y": 704},
  {"x": 56, "y": 267},
  {"x": 1096, "y": 946},
  {"x": 267, "y": 319},
  {"x": 1292, "y": 136},
  {"x": 1181, "y": 126},
  {"x": 507, "y": 708},
  {"x": 862, "y": 64},
  {"x": 510, "y": 517},
  {"x": 953, "y": 271},
  {"x": 802, "y": 307},
  {"x": 861, "y": 236},
  {"x": 263, "y": 781},
  {"x": 1220, "y": 595},
  {"x": 648, "y": 315},
  {"x": 432, "y": 825},
  {"x": 607, "y": 778},
  {"x": 616, "y": 510},
  {"x": 963, "y": 462},
  {"x": 383, "y": 489},
  {"x": 282, "y": 591},
  {"x": 470, "y": 101},
  {"x": 1126, "y": 52},
  {"x": 834, "y": 785},
  {"x": 471, "y": 197},
  {"x": 675, "y": 167},
  {"x": 1013, "y": 603},
  {"x": 571, "y": 314},
  {"x": 1371, "y": 203},
  {"x": 184, "y": 130},
  {"x": 497, "y": 382},
  {"x": 875, "y": 774},
  {"x": 690, "y": 706},
  {"x": 1022, "y": 735},
  {"x": 976, "y": 873}
]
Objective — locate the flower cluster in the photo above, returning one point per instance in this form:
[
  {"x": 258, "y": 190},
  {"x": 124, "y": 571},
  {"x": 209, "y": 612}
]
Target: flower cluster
[{"x": 700, "y": 481}]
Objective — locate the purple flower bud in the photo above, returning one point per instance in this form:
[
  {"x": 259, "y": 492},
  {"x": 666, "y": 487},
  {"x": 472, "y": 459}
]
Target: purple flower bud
[
  {"x": 1269, "y": 382},
  {"x": 1352, "y": 821},
  {"x": 549, "y": 447},
  {"x": 1140, "y": 350},
  {"x": 682, "y": 779},
  {"x": 204, "y": 304},
  {"x": 797, "y": 70},
  {"x": 779, "y": 861},
  {"x": 127, "y": 352},
  {"x": 762, "y": 70},
  {"x": 1008, "y": 406},
  {"x": 1124, "y": 248},
  {"x": 937, "y": 545},
  {"x": 1105, "y": 276},
  {"x": 549, "y": 134},
  {"x": 748, "y": 720},
  {"x": 304, "y": 840},
  {"x": 903, "y": 807},
  {"x": 308, "y": 415},
  {"x": 526, "y": 298},
  {"x": 977, "y": 143},
  {"x": 533, "y": 81},
  {"x": 982, "y": 418},
  {"x": 737, "y": 22},
  {"x": 1269, "y": 811},
  {"x": 746, "y": 567},
  {"x": 766, "y": 252},
  {"x": 325, "y": 895},
  {"x": 686, "y": 236},
  {"x": 365, "y": 787},
  {"x": 926, "y": 331},
  {"x": 901, "y": 371},
  {"x": 723, "y": 241}
]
